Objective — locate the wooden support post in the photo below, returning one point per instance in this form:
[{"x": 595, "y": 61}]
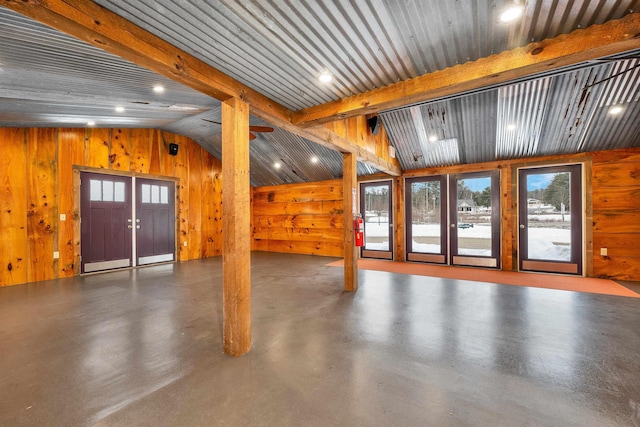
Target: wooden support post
[
  {"x": 349, "y": 186},
  {"x": 236, "y": 250}
]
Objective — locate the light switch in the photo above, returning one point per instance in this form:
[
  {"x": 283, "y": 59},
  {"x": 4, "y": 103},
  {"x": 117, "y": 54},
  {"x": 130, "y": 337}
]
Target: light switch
[
  {"x": 603, "y": 251},
  {"x": 184, "y": 244},
  {"x": 56, "y": 255}
]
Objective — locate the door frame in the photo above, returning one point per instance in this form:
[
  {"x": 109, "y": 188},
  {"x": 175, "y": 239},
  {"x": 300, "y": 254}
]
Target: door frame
[
  {"x": 441, "y": 258},
  {"x": 578, "y": 234},
  {"x": 373, "y": 253},
  {"x": 77, "y": 170},
  {"x": 495, "y": 260}
]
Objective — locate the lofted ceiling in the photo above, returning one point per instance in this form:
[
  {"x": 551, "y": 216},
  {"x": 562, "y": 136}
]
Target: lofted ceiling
[{"x": 278, "y": 48}]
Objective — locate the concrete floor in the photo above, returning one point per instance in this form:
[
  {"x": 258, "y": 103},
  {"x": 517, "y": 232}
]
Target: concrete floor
[{"x": 143, "y": 348}]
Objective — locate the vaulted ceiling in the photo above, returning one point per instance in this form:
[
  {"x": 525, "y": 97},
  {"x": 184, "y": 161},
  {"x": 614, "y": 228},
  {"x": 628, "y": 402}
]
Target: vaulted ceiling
[{"x": 279, "y": 48}]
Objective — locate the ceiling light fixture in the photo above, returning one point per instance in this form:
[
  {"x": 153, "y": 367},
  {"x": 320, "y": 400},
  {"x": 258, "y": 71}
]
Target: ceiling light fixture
[
  {"x": 314, "y": 159},
  {"x": 511, "y": 126},
  {"x": 325, "y": 77},
  {"x": 119, "y": 109},
  {"x": 512, "y": 13},
  {"x": 91, "y": 123},
  {"x": 158, "y": 89},
  {"x": 615, "y": 110},
  {"x": 277, "y": 165},
  {"x": 433, "y": 138}
]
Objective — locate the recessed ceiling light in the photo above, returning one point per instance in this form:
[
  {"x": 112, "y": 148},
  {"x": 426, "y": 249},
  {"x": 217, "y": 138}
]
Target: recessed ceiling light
[
  {"x": 314, "y": 159},
  {"x": 158, "y": 89},
  {"x": 433, "y": 138},
  {"x": 91, "y": 123},
  {"x": 615, "y": 110},
  {"x": 325, "y": 77},
  {"x": 511, "y": 14},
  {"x": 511, "y": 126},
  {"x": 119, "y": 109},
  {"x": 277, "y": 165}
]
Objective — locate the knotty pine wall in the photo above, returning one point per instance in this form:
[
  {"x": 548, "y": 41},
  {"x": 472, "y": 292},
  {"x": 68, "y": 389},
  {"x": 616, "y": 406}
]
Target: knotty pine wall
[
  {"x": 299, "y": 218},
  {"x": 37, "y": 185},
  {"x": 289, "y": 218}
]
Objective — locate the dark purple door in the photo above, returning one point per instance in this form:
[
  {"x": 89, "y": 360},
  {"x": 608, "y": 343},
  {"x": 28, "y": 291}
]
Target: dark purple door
[
  {"x": 155, "y": 221},
  {"x": 105, "y": 212}
]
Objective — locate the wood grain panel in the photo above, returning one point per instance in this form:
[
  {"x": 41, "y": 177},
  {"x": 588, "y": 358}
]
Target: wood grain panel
[
  {"x": 70, "y": 153},
  {"x": 620, "y": 268},
  {"x": 120, "y": 151},
  {"x": 195, "y": 200},
  {"x": 331, "y": 207},
  {"x": 14, "y": 257},
  {"x": 616, "y": 174},
  {"x": 300, "y": 221},
  {"x": 42, "y": 203},
  {"x": 323, "y": 190},
  {"x": 616, "y": 222},
  {"x": 309, "y": 234},
  {"x": 208, "y": 215},
  {"x": 155, "y": 165},
  {"x": 617, "y": 198},
  {"x": 181, "y": 171},
  {"x": 300, "y": 247},
  {"x": 96, "y": 148},
  {"x": 618, "y": 245},
  {"x": 141, "y": 141}
]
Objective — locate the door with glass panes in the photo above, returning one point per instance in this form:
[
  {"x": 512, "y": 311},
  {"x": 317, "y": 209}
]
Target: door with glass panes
[
  {"x": 454, "y": 219},
  {"x": 117, "y": 232},
  {"x": 377, "y": 213},
  {"x": 550, "y": 219}
]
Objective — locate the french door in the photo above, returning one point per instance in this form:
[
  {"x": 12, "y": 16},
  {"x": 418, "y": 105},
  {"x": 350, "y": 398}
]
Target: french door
[
  {"x": 118, "y": 232},
  {"x": 550, "y": 219},
  {"x": 474, "y": 219},
  {"x": 377, "y": 212},
  {"x": 454, "y": 219}
]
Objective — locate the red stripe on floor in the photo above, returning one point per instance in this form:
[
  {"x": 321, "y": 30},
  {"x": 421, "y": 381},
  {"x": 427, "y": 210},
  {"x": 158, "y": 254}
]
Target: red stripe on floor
[{"x": 548, "y": 281}]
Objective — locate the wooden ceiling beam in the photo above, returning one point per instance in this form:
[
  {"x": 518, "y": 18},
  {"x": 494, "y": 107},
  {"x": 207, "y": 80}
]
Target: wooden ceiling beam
[
  {"x": 98, "y": 26},
  {"x": 597, "y": 41}
]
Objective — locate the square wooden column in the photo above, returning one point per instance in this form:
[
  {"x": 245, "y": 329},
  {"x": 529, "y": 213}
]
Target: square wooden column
[
  {"x": 236, "y": 246},
  {"x": 350, "y": 208}
]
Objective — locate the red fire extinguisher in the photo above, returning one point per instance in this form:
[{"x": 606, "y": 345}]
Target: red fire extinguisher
[{"x": 358, "y": 230}]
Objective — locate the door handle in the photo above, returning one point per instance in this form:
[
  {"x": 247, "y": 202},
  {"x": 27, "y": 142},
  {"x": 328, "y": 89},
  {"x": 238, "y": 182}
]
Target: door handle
[
  {"x": 453, "y": 226},
  {"x": 129, "y": 226},
  {"x": 137, "y": 226},
  {"x": 522, "y": 226}
]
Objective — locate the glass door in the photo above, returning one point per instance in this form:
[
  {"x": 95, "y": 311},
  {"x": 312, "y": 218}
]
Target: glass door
[
  {"x": 550, "y": 219},
  {"x": 474, "y": 218},
  {"x": 377, "y": 213},
  {"x": 426, "y": 212}
]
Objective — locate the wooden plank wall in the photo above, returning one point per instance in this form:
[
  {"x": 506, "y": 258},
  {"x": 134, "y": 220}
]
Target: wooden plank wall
[
  {"x": 299, "y": 218},
  {"x": 356, "y": 130},
  {"x": 616, "y": 214},
  {"x": 37, "y": 185}
]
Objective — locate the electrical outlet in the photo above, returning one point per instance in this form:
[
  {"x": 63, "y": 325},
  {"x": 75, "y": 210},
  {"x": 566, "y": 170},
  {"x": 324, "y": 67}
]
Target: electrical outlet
[
  {"x": 63, "y": 217},
  {"x": 56, "y": 255},
  {"x": 603, "y": 251}
]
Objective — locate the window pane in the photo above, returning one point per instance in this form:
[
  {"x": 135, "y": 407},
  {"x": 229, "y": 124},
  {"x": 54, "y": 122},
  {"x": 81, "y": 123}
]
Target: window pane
[
  {"x": 164, "y": 195},
  {"x": 155, "y": 194},
  {"x": 119, "y": 195},
  {"x": 107, "y": 191},
  {"x": 549, "y": 216},
  {"x": 474, "y": 216},
  {"x": 96, "y": 190},
  {"x": 376, "y": 217},
  {"x": 425, "y": 217},
  {"x": 146, "y": 193}
]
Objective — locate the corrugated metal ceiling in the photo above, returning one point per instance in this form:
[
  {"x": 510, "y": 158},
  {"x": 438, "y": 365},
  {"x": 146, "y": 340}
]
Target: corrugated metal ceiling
[{"x": 278, "y": 47}]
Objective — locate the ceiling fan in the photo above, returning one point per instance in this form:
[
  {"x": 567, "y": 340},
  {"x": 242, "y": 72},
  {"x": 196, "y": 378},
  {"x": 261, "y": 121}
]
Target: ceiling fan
[{"x": 251, "y": 128}]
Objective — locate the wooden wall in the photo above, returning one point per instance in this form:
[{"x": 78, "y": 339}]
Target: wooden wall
[
  {"x": 299, "y": 218},
  {"x": 616, "y": 214},
  {"x": 37, "y": 185},
  {"x": 286, "y": 220}
]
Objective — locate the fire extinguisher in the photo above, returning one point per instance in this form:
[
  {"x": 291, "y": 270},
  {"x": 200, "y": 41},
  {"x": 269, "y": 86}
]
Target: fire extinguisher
[{"x": 358, "y": 230}]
